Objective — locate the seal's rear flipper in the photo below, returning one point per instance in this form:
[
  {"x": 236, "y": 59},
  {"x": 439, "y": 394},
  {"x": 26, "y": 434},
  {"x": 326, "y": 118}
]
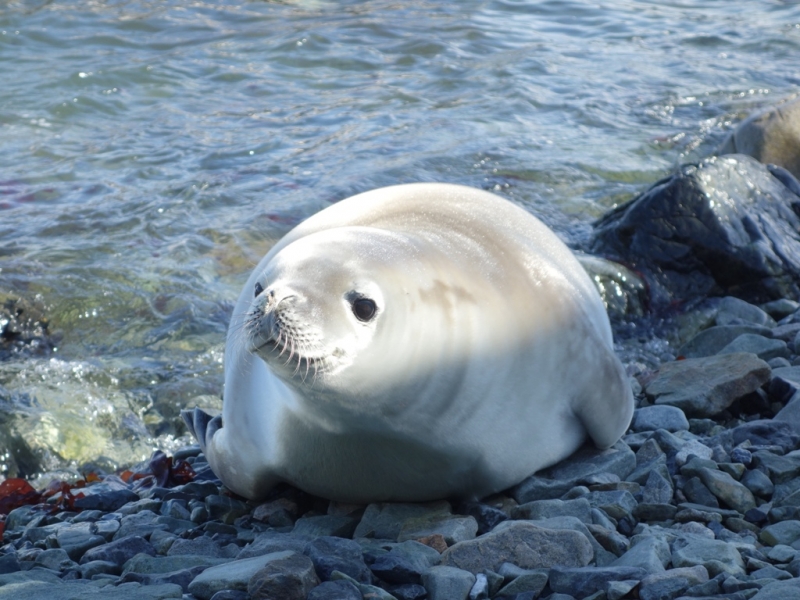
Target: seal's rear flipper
[{"x": 202, "y": 425}]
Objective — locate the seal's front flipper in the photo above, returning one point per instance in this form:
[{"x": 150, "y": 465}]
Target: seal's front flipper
[{"x": 202, "y": 425}]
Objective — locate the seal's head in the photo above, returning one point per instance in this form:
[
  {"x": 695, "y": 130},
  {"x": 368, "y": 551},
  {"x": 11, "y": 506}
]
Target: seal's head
[{"x": 316, "y": 306}]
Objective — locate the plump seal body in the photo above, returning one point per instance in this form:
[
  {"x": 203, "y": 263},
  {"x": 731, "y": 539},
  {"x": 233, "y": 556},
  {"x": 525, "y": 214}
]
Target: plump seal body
[{"x": 411, "y": 343}]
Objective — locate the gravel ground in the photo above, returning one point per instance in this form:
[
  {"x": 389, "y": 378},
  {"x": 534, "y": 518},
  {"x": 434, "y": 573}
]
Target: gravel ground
[{"x": 701, "y": 499}]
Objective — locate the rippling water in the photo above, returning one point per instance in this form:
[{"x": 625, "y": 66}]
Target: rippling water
[{"x": 150, "y": 152}]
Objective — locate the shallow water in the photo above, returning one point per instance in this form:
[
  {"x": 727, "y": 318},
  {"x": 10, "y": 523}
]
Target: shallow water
[{"x": 150, "y": 152}]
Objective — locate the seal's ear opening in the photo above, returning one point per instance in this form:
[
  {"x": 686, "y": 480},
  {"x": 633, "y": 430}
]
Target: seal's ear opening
[{"x": 364, "y": 309}]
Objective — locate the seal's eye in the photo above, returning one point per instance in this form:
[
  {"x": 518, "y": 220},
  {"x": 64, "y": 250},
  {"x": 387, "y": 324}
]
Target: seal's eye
[
  {"x": 364, "y": 309},
  {"x": 259, "y": 289}
]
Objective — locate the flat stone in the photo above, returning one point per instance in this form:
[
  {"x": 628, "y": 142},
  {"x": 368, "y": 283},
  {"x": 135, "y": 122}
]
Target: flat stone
[
  {"x": 528, "y": 582},
  {"x": 140, "y": 524},
  {"x": 398, "y": 569},
  {"x": 521, "y": 543},
  {"x": 654, "y": 512},
  {"x": 385, "y": 521},
  {"x": 71, "y": 590},
  {"x": 106, "y": 501},
  {"x": 710, "y": 341},
  {"x": 766, "y": 432},
  {"x": 728, "y": 490},
  {"x": 95, "y": 567},
  {"x": 784, "y": 383},
  {"x": 602, "y": 556},
  {"x": 289, "y": 578},
  {"x": 201, "y": 546},
  {"x": 448, "y": 583},
  {"x": 271, "y": 541},
  {"x": 763, "y": 347},
  {"x": 77, "y": 538},
  {"x": 583, "y": 581},
  {"x": 331, "y": 554},
  {"x": 119, "y": 551},
  {"x": 651, "y": 418},
  {"x": 786, "y": 533},
  {"x": 544, "y": 509},
  {"x": 657, "y": 489},
  {"x": 671, "y": 583},
  {"x": 704, "y": 387},
  {"x": 335, "y": 590},
  {"x": 234, "y": 575},
  {"x": 326, "y": 525},
  {"x": 779, "y": 590},
  {"x": 56, "y": 559},
  {"x": 692, "y": 448},
  {"x": 583, "y": 465},
  {"x": 651, "y": 554},
  {"x": 715, "y": 555},
  {"x": 779, "y": 468},
  {"x": 790, "y": 414},
  {"x": 617, "y": 504},
  {"x": 147, "y": 565},
  {"x": 453, "y": 528}
]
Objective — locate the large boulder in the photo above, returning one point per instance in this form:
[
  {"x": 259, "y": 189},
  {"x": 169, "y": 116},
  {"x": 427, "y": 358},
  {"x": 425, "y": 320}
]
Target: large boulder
[
  {"x": 771, "y": 135},
  {"x": 726, "y": 226}
]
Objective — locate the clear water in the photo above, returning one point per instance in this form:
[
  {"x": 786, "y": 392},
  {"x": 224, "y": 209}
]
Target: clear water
[{"x": 151, "y": 151}]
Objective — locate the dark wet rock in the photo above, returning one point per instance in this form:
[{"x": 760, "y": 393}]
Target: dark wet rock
[
  {"x": 335, "y": 590},
  {"x": 288, "y": 578},
  {"x": 771, "y": 135},
  {"x": 584, "y": 464},
  {"x": 651, "y": 418},
  {"x": 119, "y": 551},
  {"x": 724, "y": 227},
  {"x": 24, "y": 329},
  {"x": 330, "y": 554},
  {"x": 763, "y": 347},
  {"x": 706, "y": 386},
  {"x": 448, "y": 583},
  {"x": 545, "y": 509},
  {"x": 523, "y": 544},
  {"x": 583, "y": 581},
  {"x": 624, "y": 293}
]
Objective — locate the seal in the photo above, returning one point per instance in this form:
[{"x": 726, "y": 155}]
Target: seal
[{"x": 411, "y": 343}]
